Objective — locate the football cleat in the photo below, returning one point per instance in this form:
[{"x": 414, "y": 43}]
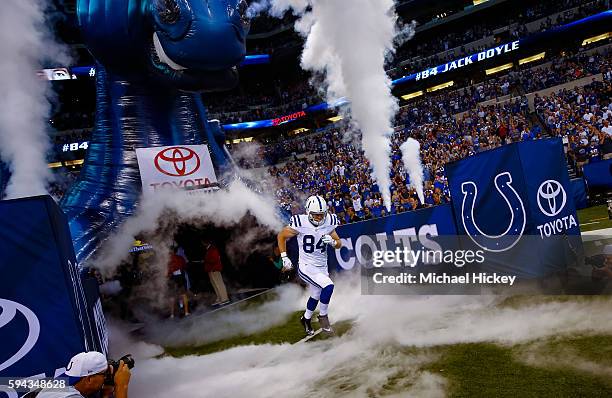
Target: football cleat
[
  {"x": 324, "y": 322},
  {"x": 307, "y": 326}
]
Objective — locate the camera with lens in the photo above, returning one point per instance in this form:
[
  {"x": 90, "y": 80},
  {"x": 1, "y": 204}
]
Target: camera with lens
[
  {"x": 110, "y": 376},
  {"x": 597, "y": 261}
]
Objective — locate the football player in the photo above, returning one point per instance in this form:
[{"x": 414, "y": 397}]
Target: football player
[{"x": 315, "y": 230}]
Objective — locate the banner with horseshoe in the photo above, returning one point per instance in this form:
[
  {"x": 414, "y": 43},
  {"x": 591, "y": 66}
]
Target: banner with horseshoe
[
  {"x": 47, "y": 314},
  {"x": 503, "y": 195}
]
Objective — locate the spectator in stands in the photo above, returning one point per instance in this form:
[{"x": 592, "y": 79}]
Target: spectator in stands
[
  {"x": 351, "y": 216},
  {"x": 377, "y": 208},
  {"x": 607, "y": 129},
  {"x": 338, "y": 207},
  {"x": 213, "y": 266},
  {"x": 367, "y": 214},
  {"x": 356, "y": 199},
  {"x": 177, "y": 283},
  {"x": 594, "y": 150},
  {"x": 86, "y": 373},
  {"x": 442, "y": 140},
  {"x": 582, "y": 153}
]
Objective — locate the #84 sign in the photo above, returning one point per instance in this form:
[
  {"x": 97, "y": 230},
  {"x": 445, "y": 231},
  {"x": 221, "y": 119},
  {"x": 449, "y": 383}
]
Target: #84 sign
[{"x": 175, "y": 167}]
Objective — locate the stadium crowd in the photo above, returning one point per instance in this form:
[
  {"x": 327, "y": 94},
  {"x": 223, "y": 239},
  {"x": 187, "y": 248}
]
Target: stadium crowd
[
  {"x": 432, "y": 107},
  {"x": 582, "y": 117},
  {"x": 339, "y": 171},
  {"x": 528, "y": 78},
  {"x": 564, "y": 69}
]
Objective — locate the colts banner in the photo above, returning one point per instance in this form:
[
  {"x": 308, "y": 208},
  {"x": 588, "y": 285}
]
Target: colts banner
[
  {"x": 410, "y": 229},
  {"x": 515, "y": 203},
  {"x": 47, "y": 315},
  {"x": 172, "y": 167}
]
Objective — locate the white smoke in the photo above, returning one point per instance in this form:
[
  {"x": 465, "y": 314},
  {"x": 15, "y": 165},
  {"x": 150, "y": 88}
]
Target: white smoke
[
  {"x": 24, "y": 105},
  {"x": 245, "y": 242},
  {"x": 230, "y": 322},
  {"x": 411, "y": 157},
  {"x": 223, "y": 208},
  {"x": 349, "y": 44},
  {"x": 362, "y": 361}
]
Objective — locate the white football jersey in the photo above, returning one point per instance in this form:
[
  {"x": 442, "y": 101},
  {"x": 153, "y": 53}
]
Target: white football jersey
[{"x": 312, "y": 249}]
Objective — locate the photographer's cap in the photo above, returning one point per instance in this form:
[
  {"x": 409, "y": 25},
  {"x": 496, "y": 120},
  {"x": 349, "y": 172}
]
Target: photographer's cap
[{"x": 86, "y": 364}]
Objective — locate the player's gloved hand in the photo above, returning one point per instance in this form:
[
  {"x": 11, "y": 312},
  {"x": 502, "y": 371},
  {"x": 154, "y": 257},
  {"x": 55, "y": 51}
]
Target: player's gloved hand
[
  {"x": 328, "y": 240},
  {"x": 287, "y": 265}
]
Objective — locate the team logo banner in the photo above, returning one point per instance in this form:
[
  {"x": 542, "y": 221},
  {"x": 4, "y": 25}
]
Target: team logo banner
[
  {"x": 415, "y": 229},
  {"x": 511, "y": 227},
  {"x": 47, "y": 315},
  {"x": 512, "y": 192},
  {"x": 176, "y": 167}
]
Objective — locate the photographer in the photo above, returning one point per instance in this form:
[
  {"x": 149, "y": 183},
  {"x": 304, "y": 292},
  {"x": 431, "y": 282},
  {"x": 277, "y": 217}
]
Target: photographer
[
  {"x": 602, "y": 268},
  {"x": 87, "y": 373}
]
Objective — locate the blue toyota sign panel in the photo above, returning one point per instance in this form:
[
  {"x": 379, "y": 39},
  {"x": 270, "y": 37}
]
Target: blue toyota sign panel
[
  {"x": 45, "y": 316},
  {"x": 515, "y": 203}
]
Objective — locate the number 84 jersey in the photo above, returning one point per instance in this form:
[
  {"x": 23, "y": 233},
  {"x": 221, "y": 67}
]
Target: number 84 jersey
[{"x": 312, "y": 249}]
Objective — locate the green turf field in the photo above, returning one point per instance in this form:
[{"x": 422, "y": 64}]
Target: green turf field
[
  {"x": 557, "y": 367},
  {"x": 489, "y": 370},
  {"x": 593, "y": 218},
  {"x": 288, "y": 332}
]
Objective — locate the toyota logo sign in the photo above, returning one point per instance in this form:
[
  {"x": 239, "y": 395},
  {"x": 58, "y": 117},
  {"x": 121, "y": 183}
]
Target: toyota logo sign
[
  {"x": 177, "y": 161},
  {"x": 551, "y": 197}
]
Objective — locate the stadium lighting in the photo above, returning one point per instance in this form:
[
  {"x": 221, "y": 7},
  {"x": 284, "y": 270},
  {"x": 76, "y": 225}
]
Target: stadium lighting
[
  {"x": 74, "y": 162},
  {"x": 335, "y": 119},
  {"x": 55, "y": 165},
  {"x": 597, "y": 38},
  {"x": 499, "y": 68},
  {"x": 298, "y": 131},
  {"x": 440, "y": 86},
  {"x": 412, "y": 95},
  {"x": 477, "y": 2},
  {"x": 239, "y": 140},
  {"x": 532, "y": 58}
]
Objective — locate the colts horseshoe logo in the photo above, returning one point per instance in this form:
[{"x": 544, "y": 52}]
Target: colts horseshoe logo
[
  {"x": 516, "y": 226},
  {"x": 9, "y": 312}
]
